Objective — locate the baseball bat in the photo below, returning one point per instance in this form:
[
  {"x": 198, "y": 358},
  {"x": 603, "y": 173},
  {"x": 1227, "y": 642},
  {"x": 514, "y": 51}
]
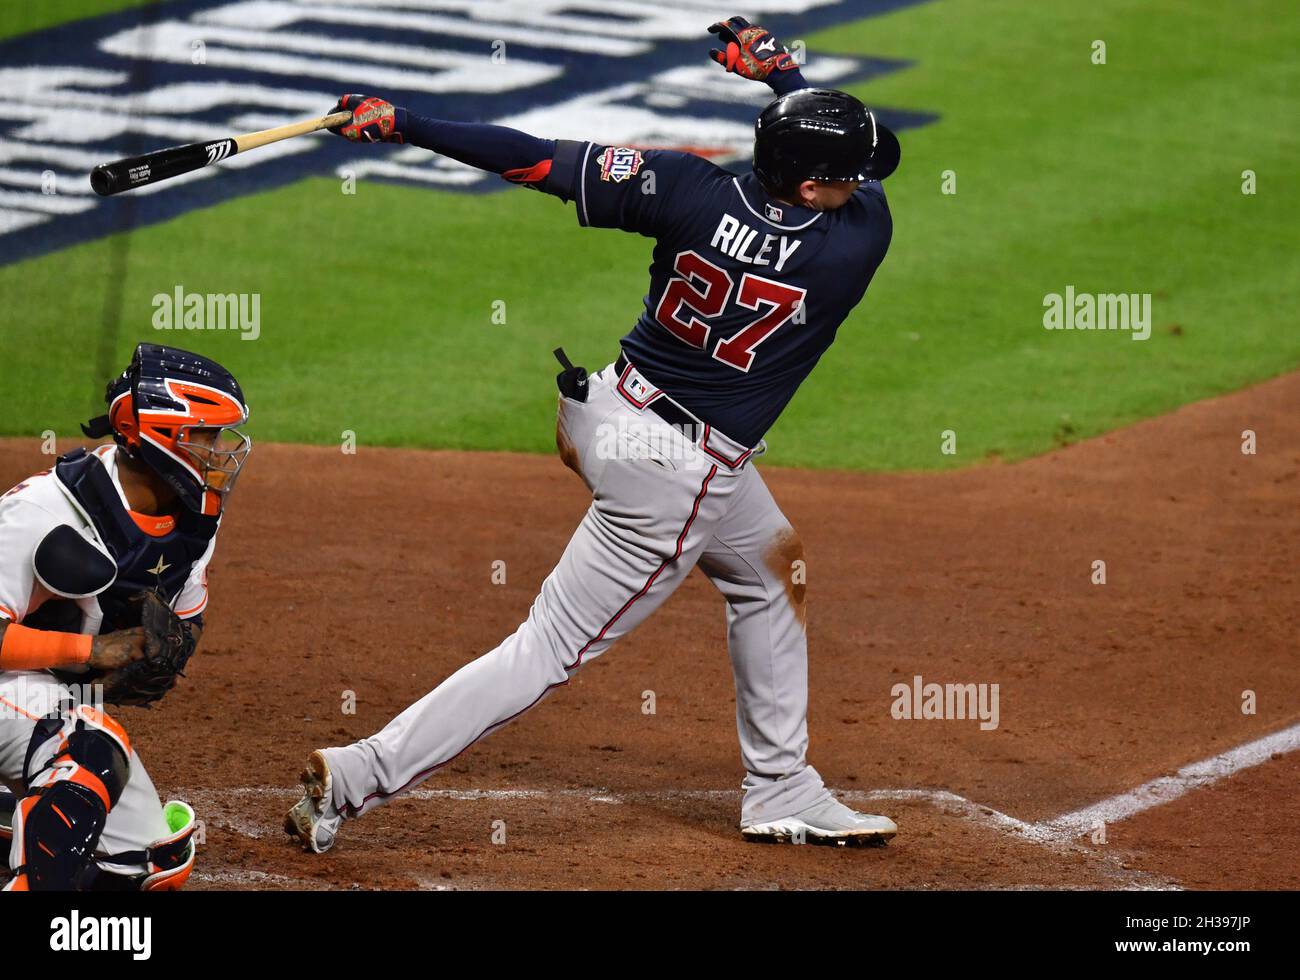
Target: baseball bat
[{"x": 122, "y": 175}]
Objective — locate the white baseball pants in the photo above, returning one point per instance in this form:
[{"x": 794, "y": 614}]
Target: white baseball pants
[{"x": 661, "y": 504}]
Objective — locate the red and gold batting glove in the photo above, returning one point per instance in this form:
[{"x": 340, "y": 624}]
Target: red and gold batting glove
[
  {"x": 373, "y": 120},
  {"x": 750, "y": 51}
]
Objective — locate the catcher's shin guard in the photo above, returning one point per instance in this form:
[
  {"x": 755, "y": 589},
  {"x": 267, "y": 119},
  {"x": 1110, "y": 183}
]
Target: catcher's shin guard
[
  {"x": 57, "y": 825},
  {"x": 169, "y": 859}
]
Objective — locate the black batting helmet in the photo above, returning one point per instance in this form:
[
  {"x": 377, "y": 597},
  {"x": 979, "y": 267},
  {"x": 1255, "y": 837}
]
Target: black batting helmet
[{"x": 821, "y": 134}]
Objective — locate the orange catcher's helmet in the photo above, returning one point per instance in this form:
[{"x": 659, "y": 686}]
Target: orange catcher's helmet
[{"x": 176, "y": 412}]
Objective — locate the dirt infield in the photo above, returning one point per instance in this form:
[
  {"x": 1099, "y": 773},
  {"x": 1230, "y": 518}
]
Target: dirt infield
[{"x": 372, "y": 574}]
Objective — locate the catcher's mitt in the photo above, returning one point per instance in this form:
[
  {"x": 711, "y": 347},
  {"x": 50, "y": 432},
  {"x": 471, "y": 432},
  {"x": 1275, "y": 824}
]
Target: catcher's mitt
[{"x": 168, "y": 645}]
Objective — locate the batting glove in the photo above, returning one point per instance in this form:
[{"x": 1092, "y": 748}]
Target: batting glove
[
  {"x": 750, "y": 51},
  {"x": 373, "y": 120}
]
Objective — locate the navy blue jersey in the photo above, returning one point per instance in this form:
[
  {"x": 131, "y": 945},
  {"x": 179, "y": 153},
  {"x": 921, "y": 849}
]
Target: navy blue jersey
[{"x": 746, "y": 292}]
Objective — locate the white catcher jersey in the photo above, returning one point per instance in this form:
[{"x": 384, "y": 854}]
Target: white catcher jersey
[{"x": 83, "y": 492}]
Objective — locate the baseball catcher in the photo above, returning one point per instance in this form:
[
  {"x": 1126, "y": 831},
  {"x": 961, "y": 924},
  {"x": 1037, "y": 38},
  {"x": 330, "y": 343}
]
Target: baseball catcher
[
  {"x": 103, "y": 587},
  {"x": 751, "y": 277}
]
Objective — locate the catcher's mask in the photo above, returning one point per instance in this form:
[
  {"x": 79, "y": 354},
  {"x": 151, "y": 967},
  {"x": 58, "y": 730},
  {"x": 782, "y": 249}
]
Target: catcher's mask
[{"x": 176, "y": 411}]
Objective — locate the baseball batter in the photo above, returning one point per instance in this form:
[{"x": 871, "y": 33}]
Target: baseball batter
[
  {"x": 751, "y": 277},
  {"x": 103, "y": 582}
]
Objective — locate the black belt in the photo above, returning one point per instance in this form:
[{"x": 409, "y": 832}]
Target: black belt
[{"x": 666, "y": 408}]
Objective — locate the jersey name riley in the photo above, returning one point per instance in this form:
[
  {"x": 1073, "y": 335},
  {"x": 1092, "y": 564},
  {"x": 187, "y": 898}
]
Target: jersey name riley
[{"x": 738, "y": 240}]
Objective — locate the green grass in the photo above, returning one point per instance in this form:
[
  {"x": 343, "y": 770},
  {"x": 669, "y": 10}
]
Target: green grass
[
  {"x": 376, "y": 309},
  {"x": 25, "y": 16}
]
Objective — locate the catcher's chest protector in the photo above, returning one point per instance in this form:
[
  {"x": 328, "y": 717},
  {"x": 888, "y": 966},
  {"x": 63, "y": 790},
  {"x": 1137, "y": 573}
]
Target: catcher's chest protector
[{"x": 144, "y": 562}]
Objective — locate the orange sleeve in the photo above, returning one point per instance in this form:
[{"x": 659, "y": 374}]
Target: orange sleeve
[{"x": 24, "y": 648}]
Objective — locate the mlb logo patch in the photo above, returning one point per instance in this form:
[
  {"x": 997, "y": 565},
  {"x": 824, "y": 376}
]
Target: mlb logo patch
[
  {"x": 638, "y": 389},
  {"x": 618, "y": 163},
  {"x": 773, "y": 213}
]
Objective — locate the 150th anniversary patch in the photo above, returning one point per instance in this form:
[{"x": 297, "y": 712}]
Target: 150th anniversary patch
[{"x": 618, "y": 163}]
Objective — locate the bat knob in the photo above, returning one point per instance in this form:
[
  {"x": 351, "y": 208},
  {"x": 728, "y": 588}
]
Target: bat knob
[{"x": 103, "y": 181}]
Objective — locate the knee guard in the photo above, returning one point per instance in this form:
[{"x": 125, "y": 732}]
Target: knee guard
[{"x": 57, "y": 825}]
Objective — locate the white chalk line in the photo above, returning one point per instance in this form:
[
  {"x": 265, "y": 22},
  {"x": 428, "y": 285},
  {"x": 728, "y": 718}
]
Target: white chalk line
[
  {"x": 1058, "y": 832},
  {"x": 1166, "y": 789},
  {"x": 215, "y": 801}
]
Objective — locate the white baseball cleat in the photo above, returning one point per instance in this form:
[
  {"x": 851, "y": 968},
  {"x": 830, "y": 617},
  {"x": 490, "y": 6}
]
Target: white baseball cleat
[
  {"x": 313, "y": 819},
  {"x": 828, "y": 822}
]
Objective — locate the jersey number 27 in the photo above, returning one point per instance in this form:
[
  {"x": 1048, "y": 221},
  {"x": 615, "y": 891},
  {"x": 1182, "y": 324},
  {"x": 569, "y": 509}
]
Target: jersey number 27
[{"x": 703, "y": 292}]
